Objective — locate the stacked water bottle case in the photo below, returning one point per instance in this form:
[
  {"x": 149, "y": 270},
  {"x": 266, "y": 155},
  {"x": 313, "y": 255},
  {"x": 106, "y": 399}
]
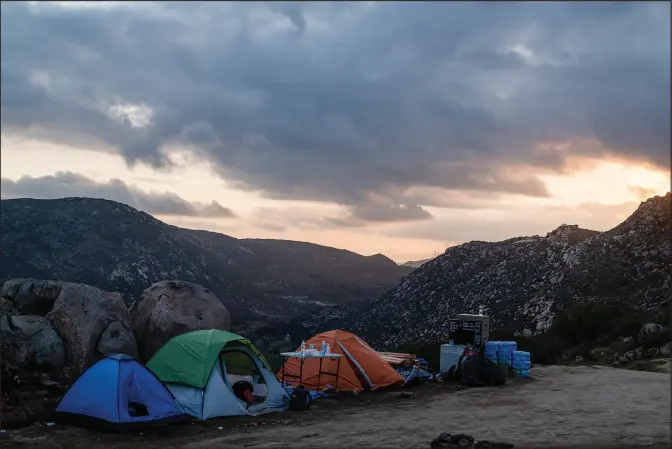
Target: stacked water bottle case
[
  {"x": 505, "y": 353},
  {"x": 521, "y": 363}
]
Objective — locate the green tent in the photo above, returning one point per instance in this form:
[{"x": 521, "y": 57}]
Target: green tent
[{"x": 188, "y": 359}]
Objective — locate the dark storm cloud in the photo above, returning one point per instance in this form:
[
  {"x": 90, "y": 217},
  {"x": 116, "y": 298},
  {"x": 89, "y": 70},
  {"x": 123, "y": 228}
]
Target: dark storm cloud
[
  {"x": 344, "y": 101},
  {"x": 68, "y": 184}
]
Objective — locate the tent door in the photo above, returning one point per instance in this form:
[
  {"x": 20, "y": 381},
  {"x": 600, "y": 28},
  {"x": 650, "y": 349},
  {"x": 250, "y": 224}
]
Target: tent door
[
  {"x": 241, "y": 364},
  {"x": 136, "y": 406},
  {"x": 356, "y": 363}
]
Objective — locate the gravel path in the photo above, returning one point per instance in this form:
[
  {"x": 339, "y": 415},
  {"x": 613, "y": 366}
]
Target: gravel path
[{"x": 560, "y": 407}]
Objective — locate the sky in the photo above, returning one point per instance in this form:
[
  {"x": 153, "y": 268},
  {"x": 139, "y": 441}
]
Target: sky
[{"x": 394, "y": 128}]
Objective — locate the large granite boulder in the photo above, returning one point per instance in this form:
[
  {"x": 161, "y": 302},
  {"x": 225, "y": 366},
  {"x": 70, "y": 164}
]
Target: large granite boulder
[
  {"x": 92, "y": 323},
  {"x": 653, "y": 335},
  {"x": 171, "y": 308},
  {"x": 29, "y": 342},
  {"x": 7, "y": 306},
  {"x": 30, "y": 296}
]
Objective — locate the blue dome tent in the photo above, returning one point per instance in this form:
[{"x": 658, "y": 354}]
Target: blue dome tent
[{"x": 120, "y": 395}]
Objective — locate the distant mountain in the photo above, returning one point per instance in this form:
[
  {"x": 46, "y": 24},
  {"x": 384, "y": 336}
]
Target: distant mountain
[
  {"x": 115, "y": 247},
  {"x": 523, "y": 282},
  {"x": 415, "y": 263}
]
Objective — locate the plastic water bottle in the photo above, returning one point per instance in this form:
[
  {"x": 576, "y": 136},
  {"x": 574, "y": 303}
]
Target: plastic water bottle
[
  {"x": 303, "y": 347},
  {"x": 324, "y": 347},
  {"x": 328, "y": 348},
  {"x": 312, "y": 347}
]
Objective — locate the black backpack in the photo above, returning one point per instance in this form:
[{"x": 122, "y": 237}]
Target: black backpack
[{"x": 299, "y": 399}]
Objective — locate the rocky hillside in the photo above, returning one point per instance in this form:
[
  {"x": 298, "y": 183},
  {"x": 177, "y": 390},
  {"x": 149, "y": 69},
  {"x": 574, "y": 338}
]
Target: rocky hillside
[
  {"x": 415, "y": 263},
  {"x": 523, "y": 282},
  {"x": 117, "y": 248}
]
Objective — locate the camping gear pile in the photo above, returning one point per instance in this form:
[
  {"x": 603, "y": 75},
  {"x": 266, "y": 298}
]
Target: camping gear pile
[
  {"x": 474, "y": 370},
  {"x": 467, "y": 329},
  {"x": 450, "y": 354},
  {"x": 410, "y": 367}
]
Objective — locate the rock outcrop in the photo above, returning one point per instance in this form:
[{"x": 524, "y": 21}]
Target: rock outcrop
[
  {"x": 29, "y": 343},
  {"x": 171, "y": 308},
  {"x": 89, "y": 320},
  {"x": 522, "y": 282},
  {"x": 30, "y": 296}
]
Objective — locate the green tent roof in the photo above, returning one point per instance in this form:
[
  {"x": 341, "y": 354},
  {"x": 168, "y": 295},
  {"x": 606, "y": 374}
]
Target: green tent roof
[{"x": 188, "y": 358}]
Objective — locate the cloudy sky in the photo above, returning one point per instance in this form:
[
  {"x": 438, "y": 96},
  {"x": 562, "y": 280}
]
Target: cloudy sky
[{"x": 399, "y": 128}]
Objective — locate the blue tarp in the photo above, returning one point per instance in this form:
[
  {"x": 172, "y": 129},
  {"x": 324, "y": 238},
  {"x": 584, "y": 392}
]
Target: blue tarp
[
  {"x": 414, "y": 372},
  {"x": 313, "y": 394},
  {"x": 116, "y": 390}
]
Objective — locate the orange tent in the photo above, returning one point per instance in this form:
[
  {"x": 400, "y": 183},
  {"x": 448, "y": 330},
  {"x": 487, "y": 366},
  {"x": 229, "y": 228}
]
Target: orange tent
[{"x": 360, "y": 367}]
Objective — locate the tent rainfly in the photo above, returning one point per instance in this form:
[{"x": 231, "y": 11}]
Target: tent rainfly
[
  {"x": 202, "y": 369},
  {"x": 362, "y": 368},
  {"x": 118, "y": 394}
]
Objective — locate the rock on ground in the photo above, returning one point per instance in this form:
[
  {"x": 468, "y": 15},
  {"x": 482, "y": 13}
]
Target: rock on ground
[
  {"x": 82, "y": 315},
  {"x": 652, "y": 334},
  {"x": 30, "y": 296},
  {"x": 7, "y": 305},
  {"x": 171, "y": 308},
  {"x": 29, "y": 342}
]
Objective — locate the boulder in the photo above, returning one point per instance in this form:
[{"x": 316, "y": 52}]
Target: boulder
[
  {"x": 653, "y": 353},
  {"x": 29, "y": 343},
  {"x": 117, "y": 339},
  {"x": 628, "y": 357},
  {"x": 85, "y": 318},
  {"x": 30, "y": 296},
  {"x": 7, "y": 305},
  {"x": 171, "y": 308},
  {"x": 665, "y": 350},
  {"x": 652, "y": 334},
  {"x": 598, "y": 353}
]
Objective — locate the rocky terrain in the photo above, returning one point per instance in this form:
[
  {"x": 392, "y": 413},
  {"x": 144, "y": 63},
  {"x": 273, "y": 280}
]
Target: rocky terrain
[
  {"x": 51, "y": 332},
  {"x": 522, "y": 282},
  {"x": 562, "y": 407},
  {"x": 117, "y": 248},
  {"x": 415, "y": 263}
]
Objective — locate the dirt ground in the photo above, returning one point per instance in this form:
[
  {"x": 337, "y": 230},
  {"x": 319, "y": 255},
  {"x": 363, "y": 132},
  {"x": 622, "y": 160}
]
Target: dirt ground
[{"x": 559, "y": 407}]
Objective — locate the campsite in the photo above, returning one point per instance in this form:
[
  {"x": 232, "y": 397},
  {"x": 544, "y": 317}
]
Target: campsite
[
  {"x": 579, "y": 406},
  {"x": 208, "y": 386},
  {"x": 212, "y": 387}
]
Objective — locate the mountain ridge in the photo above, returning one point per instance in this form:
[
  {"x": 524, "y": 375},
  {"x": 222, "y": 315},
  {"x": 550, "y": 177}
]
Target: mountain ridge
[
  {"x": 116, "y": 247},
  {"x": 524, "y": 281}
]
